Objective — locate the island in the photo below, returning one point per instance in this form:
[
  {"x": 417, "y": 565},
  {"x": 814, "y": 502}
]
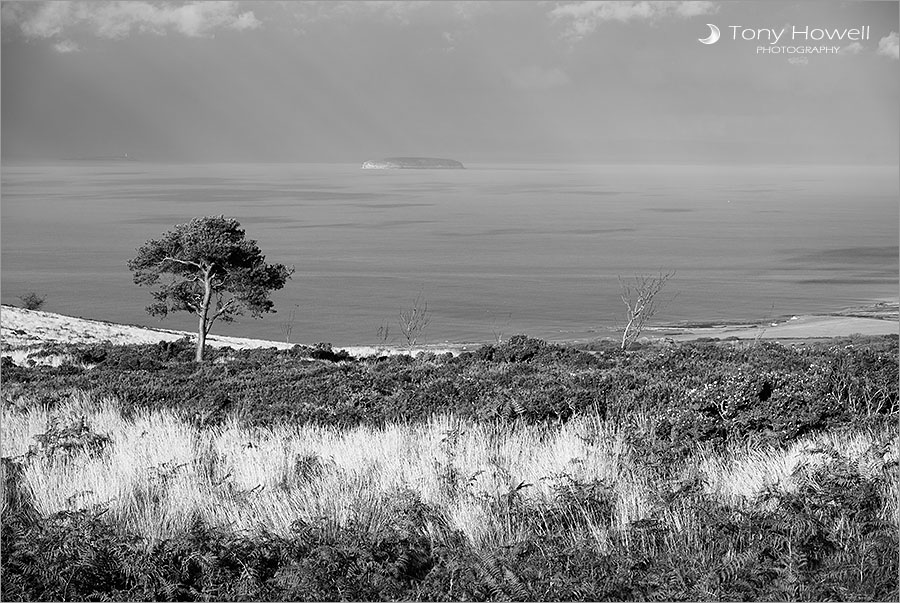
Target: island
[{"x": 412, "y": 163}]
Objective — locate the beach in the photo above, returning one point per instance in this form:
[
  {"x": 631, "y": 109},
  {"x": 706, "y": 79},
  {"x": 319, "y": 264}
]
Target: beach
[{"x": 25, "y": 330}]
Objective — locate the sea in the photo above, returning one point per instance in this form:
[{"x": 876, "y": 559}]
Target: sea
[{"x": 493, "y": 250}]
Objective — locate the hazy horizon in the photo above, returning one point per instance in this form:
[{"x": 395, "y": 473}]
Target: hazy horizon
[
  {"x": 471, "y": 165},
  {"x": 480, "y": 82}
]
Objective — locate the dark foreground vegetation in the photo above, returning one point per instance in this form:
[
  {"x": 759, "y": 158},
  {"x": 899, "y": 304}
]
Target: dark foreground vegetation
[
  {"x": 698, "y": 392},
  {"x": 832, "y": 536}
]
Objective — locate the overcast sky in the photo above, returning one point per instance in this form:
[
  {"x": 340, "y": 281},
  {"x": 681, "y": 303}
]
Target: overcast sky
[{"x": 473, "y": 81}]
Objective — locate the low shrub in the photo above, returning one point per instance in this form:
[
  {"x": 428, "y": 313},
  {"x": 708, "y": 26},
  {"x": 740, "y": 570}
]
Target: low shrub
[
  {"x": 68, "y": 438},
  {"x": 687, "y": 393},
  {"x": 32, "y": 301}
]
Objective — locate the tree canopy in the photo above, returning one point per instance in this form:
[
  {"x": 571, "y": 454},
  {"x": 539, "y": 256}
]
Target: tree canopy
[{"x": 213, "y": 271}]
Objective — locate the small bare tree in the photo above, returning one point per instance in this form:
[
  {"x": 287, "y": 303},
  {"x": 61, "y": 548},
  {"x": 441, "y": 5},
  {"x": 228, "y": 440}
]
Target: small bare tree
[
  {"x": 413, "y": 320},
  {"x": 641, "y": 297},
  {"x": 498, "y": 329},
  {"x": 764, "y": 325},
  {"x": 385, "y": 337},
  {"x": 287, "y": 326}
]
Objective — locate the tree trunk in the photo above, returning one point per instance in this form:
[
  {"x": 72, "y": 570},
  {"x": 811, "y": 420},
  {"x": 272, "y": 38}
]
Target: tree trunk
[{"x": 203, "y": 313}]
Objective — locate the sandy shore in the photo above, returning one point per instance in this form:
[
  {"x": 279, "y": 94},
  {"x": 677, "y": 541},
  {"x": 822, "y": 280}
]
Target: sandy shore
[
  {"x": 877, "y": 318},
  {"x": 22, "y": 330},
  {"x": 799, "y": 327}
]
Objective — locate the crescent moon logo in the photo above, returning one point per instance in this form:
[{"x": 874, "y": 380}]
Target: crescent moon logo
[{"x": 713, "y": 35}]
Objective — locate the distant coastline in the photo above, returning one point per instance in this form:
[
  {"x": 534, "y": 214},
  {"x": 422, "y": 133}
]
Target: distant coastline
[
  {"x": 124, "y": 157},
  {"x": 412, "y": 163},
  {"x": 25, "y": 330}
]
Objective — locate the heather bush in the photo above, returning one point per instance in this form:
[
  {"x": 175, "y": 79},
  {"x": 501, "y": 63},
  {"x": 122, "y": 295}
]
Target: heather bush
[{"x": 693, "y": 392}]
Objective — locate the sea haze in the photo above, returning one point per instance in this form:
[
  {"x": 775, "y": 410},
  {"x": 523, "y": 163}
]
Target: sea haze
[{"x": 533, "y": 249}]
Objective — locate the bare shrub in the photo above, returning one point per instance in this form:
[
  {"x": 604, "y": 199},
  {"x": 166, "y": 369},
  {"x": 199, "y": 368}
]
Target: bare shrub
[
  {"x": 384, "y": 335},
  {"x": 640, "y": 295},
  {"x": 414, "y": 320},
  {"x": 498, "y": 328},
  {"x": 287, "y": 326}
]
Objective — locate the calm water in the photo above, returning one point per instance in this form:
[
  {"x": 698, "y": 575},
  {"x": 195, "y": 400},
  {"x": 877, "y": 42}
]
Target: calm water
[{"x": 519, "y": 249}]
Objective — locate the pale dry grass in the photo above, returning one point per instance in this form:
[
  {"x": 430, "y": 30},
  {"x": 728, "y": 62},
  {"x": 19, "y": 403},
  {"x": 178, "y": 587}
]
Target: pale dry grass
[
  {"x": 159, "y": 473},
  {"x": 743, "y": 475}
]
